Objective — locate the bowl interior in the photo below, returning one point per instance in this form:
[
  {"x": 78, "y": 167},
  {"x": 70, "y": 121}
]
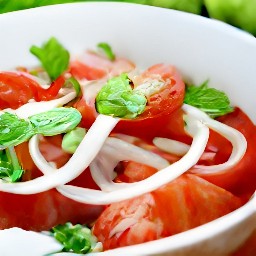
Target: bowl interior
[{"x": 200, "y": 48}]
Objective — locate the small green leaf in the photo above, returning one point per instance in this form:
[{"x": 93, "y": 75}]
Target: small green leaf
[
  {"x": 107, "y": 50},
  {"x": 16, "y": 175},
  {"x": 74, "y": 83},
  {"x": 53, "y": 56},
  {"x": 118, "y": 99},
  {"x": 75, "y": 238},
  {"x": 55, "y": 121},
  {"x": 72, "y": 139},
  {"x": 13, "y": 130},
  {"x": 210, "y": 100},
  {"x": 10, "y": 169}
]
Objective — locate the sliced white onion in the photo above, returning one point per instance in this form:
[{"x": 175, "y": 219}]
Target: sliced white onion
[
  {"x": 195, "y": 128},
  {"x": 171, "y": 146},
  {"x": 32, "y": 108},
  {"x": 91, "y": 88},
  {"x": 236, "y": 138},
  {"x": 114, "y": 151},
  {"x": 85, "y": 153}
]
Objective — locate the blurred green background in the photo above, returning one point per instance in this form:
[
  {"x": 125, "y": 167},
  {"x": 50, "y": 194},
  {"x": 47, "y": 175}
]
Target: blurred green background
[{"x": 239, "y": 13}]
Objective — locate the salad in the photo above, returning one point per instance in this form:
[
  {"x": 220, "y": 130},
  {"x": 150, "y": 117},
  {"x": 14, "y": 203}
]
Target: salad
[{"x": 101, "y": 154}]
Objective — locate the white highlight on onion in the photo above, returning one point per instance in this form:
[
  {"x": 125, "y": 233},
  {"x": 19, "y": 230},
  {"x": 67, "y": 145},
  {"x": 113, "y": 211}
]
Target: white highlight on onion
[
  {"x": 236, "y": 138},
  {"x": 171, "y": 146},
  {"x": 195, "y": 128},
  {"x": 91, "y": 88},
  {"x": 114, "y": 151},
  {"x": 32, "y": 108},
  {"x": 85, "y": 153}
]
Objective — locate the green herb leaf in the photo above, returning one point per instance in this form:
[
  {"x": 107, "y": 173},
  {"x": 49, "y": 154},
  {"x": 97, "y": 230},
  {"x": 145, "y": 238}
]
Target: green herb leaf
[
  {"x": 13, "y": 130},
  {"x": 74, "y": 83},
  {"x": 72, "y": 139},
  {"x": 53, "y": 56},
  {"x": 10, "y": 169},
  {"x": 210, "y": 100},
  {"x": 118, "y": 99},
  {"x": 107, "y": 50},
  {"x": 75, "y": 238},
  {"x": 55, "y": 121}
]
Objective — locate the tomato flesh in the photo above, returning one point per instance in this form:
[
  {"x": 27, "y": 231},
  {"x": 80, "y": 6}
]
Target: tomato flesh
[
  {"x": 44, "y": 210},
  {"x": 240, "y": 179},
  {"x": 188, "y": 202}
]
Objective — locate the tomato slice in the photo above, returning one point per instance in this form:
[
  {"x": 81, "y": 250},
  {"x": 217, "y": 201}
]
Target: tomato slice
[
  {"x": 44, "y": 210},
  {"x": 16, "y": 89},
  {"x": 160, "y": 105},
  {"x": 185, "y": 203},
  {"x": 82, "y": 71},
  {"x": 241, "y": 179}
]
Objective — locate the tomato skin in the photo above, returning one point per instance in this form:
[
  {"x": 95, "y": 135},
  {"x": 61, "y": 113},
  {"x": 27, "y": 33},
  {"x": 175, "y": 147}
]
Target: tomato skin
[
  {"x": 82, "y": 71},
  {"x": 16, "y": 89},
  {"x": 159, "y": 106},
  {"x": 92, "y": 66},
  {"x": 241, "y": 179},
  {"x": 182, "y": 204}
]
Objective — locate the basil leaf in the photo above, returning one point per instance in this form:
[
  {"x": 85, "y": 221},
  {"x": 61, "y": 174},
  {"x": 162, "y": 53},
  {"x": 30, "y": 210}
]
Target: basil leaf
[
  {"x": 118, "y": 99},
  {"x": 55, "y": 121},
  {"x": 10, "y": 169},
  {"x": 75, "y": 238},
  {"x": 72, "y": 139},
  {"x": 107, "y": 50},
  {"x": 73, "y": 83},
  {"x": 13, "y": 130},
  {"x": 210, "y": 100},
  {"x": 53, "y": 56}
]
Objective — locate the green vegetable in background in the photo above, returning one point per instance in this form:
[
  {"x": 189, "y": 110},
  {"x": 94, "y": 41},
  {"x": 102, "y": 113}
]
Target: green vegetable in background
[
  {"x": 75, "y": 238},
  {"x": 210, "y": 100},
  {"x": 194, "y": 6},
  {"x": 118, "y": 99},
  {"x": 240, "y": 13},
  {"x": 53, "y": 56}
]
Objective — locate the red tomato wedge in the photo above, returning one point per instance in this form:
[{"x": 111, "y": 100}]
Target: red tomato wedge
[
  {"x": 185, "y": 203},
  {"x": 160, "y": 104},
  {"x": 241, "y": 179},
  {"x": 16, "y": 89},
  {"x": 92, "y": 66},
  {"x": 44, "y": 210},
  {"x": 82, "y": 71}
]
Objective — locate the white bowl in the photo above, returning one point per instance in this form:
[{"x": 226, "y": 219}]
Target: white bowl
[{"x": 200, "y": 48}]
